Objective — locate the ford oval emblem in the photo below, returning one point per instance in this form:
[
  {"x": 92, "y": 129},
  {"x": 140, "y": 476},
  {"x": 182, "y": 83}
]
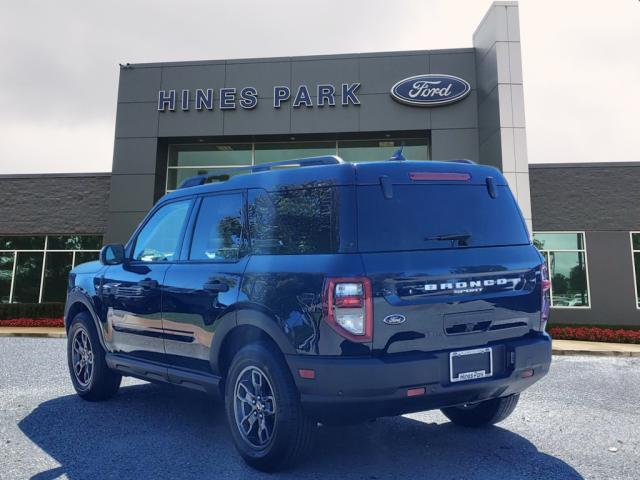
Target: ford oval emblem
[
  {"x": 394, "y": 319},
  {"x": 430, "y": 90}
]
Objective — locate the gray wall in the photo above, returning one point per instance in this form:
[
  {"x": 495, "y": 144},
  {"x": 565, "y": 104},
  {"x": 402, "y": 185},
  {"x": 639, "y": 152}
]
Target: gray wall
[
  {"x": 138, "y": 163},
  {"x": 603, "y": 200},
  {"x": 501, "y": 123},
  {"x": 49, "y": 204}
]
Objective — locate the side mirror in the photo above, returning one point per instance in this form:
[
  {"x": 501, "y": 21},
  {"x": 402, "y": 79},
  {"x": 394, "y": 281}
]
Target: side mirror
[{"x": 112, "y": 254}]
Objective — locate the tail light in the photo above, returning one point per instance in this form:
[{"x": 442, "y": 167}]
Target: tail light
[
  {"x": 349, "y": 307},
  {"x": 546, "y": 296}
]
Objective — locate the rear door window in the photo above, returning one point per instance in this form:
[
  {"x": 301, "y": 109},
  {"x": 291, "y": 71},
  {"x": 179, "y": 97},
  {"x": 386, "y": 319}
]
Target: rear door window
[
  {"x": 218, "y": 233},
  {"x": 437, "y": 216}
]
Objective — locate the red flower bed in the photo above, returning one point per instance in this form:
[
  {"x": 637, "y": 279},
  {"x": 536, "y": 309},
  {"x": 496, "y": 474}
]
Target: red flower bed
[
  {"x": 32, "y": 322},
  {"x": 595, "y": 334}
]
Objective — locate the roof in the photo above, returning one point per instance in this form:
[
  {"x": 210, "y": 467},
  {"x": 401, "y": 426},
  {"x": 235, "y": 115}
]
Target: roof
[{"x": 341, "y": 174}]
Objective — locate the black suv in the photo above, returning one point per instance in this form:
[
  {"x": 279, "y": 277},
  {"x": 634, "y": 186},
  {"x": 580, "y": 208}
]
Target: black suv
[{"x": 314, "y": 291}]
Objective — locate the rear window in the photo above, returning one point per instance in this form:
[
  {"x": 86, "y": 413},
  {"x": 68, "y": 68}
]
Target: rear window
[{"x": 424, "y": 217}]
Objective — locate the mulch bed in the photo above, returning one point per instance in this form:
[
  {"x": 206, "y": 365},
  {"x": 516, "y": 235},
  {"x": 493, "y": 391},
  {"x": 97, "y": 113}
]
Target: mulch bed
[{"x": 32, "y": 322}]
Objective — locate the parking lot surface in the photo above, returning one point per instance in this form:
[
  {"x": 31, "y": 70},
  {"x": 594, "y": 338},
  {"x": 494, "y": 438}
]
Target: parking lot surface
[{"x": 581, "y": 421}]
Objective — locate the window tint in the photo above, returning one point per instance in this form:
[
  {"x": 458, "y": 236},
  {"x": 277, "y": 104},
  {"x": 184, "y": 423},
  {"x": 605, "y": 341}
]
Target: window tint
[
  {"x": 294, "y": 222},
  {"x": 423, "y": 217},
  {"x": 158, "y": 240},
  {"x": 218, "y": 232}
]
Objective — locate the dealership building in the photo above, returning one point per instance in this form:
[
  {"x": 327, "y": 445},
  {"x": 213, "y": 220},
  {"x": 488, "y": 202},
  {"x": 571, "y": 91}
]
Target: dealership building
[{"x": 175, "y": 120}]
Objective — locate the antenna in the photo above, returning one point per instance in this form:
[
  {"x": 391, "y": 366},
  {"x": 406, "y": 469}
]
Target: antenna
[{"x": 398, "y": 155}]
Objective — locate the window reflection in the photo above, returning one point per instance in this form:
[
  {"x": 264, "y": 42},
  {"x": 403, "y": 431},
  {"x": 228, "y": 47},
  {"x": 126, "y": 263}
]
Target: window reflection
[
  {"x": 565, "y": 256},
  {"x": 635, "y": 246},
  {"x": 26, "y": 284},
  {"x": 57, "y": 267},
  {"x": 53, "y": 253},
  {"x": 296, "y": 222}
]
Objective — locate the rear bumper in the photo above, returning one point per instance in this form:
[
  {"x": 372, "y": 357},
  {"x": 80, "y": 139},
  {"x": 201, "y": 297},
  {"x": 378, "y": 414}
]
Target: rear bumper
[{"x": 373, "y": 387}]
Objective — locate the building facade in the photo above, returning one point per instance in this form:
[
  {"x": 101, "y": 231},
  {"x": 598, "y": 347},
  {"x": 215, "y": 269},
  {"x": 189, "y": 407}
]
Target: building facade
[{"x": 175, "y": 120}]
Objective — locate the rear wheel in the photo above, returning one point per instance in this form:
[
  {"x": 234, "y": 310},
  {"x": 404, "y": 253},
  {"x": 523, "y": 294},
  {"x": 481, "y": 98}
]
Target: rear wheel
[
  {"x": 483, "y": 413},
  {"x": 263, "y": 409},
  {"x": 91, "y": 377}
]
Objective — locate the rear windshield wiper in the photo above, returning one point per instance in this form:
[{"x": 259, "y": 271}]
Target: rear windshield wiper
[{"x": 462, "y": 238}]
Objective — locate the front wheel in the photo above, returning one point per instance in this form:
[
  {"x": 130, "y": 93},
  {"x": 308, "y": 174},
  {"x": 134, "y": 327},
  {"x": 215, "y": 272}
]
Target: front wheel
[
  {"x": 91, "y": 377},
  {"x": 263, "y": 408},
  {"x": 483, "y": 413}
]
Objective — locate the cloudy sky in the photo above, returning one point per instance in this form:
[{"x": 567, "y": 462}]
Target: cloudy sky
[{"x": 59, "y": 64}]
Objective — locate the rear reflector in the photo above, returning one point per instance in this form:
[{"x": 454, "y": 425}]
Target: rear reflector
[
  {"x": 416, "y": 392},
  {"x": 526, "y": 373},
  {"x": 306, "y": 373},
  {"x": 449, "y": 176}
]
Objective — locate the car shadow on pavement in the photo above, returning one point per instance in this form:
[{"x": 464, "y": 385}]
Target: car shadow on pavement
[{"x": 156, "y": 431}]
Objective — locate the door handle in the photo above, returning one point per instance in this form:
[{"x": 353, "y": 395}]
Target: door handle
[
  {"x": 215, "y": 287},
  {"x": 148, "y": 283}
]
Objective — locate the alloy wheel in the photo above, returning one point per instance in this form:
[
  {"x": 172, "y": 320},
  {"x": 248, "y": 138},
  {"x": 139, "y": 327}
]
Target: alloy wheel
[
  {"x": 82, "y": 357},
  {"x": 254, "y": 407}
]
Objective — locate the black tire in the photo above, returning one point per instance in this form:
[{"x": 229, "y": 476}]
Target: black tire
[
  {"x": 484, "y": 413},
  {"x": 95, "y": 380},
  {"x": 291, "y": 432}
]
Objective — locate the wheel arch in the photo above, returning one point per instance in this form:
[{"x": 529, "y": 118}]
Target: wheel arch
[
  {"x": 250, "y": 326},
  {"x": 77, "y": 303}
]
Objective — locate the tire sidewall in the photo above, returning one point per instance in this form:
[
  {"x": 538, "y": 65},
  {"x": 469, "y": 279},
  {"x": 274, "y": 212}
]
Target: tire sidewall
[
  {"x": 260, "y": 355},
  {"x": 80, "y": 322}
]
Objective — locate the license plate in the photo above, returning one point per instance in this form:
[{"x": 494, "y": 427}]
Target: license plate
[{"x": 471, "y": 364}]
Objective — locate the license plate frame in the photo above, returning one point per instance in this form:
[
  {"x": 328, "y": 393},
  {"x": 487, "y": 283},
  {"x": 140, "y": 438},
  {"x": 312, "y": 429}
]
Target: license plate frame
[{"x": 471, "y": 374}]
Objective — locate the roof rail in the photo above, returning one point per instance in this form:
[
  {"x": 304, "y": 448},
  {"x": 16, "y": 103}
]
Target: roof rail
[
  {"x": 263, "y": 167},
  {"x": 462, "y": 160}
]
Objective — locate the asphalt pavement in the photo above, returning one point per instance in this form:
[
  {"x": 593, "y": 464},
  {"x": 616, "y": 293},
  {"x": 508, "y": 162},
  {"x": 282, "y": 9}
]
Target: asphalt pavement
[{"x": 581, "y": 421}]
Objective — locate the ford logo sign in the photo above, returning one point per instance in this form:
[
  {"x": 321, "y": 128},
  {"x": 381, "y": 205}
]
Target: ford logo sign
[
  {"x": 394, "y": 319},
  {"x": 430, "y": 90}
]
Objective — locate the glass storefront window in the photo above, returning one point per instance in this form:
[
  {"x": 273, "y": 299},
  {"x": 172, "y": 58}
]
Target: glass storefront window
[
  {"x": 635, "y": 251},
  {"x": 276, "y": 152},
  {"x": 175, "y": 176},
  {"x": 26, "y": 283},
  {"x": 21, "y": 242},
  {"x": 6, "y": 273},
  {"x": 58, "y": 265},
  {"x": 566, "y": 259},
  {"x": 190, "y": 160},
  {"x": 74, "y": 242},
  {"x": 377, "y": 150},
  {"x": 210, "y": 155},
  {"x": 42, "y": 264},
  {"x": 84, "y": 257}
]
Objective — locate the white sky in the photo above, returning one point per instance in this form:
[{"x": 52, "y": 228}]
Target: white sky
[{"x": 59, "y": 64}]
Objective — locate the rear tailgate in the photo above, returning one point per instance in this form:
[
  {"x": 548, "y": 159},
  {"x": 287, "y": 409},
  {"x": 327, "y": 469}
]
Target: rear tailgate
[
  {"x": 451, "y": 299},
  {"x": 448, "y": 255}
]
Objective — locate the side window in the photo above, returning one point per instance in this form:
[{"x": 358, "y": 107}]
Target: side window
[
  {"x": 158, "y": 239},
  {"x": 218, "y": 232},
  {"x": 293, "y": 222}
]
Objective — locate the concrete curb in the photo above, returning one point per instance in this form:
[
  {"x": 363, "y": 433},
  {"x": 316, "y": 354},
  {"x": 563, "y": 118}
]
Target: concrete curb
[
  {"x": 594, "y": 353},
  {"x": 34, "y": 334}
]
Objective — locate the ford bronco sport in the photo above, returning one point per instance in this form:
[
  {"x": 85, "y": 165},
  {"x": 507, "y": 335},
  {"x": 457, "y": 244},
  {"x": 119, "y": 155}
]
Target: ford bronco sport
[{"x": 321, "y": 291}]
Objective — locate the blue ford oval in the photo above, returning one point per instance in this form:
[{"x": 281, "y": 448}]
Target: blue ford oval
[{"x": 430, "y": 90}]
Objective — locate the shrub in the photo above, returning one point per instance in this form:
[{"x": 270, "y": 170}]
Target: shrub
[
  {"x": 595, "y": 334},
  {"x": 9, "y": 311}
]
